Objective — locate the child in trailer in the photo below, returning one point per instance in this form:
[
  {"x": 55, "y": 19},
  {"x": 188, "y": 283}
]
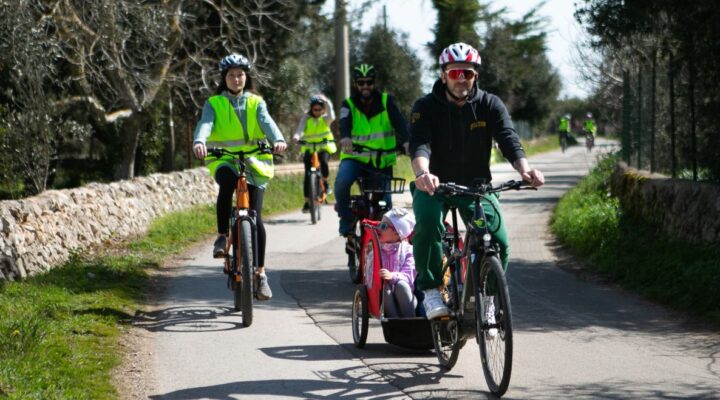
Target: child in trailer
[{"x": 399, "y": 273}]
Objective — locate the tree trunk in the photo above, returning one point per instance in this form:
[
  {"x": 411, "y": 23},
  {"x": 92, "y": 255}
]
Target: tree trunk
[{"x": 129, "y": 131}]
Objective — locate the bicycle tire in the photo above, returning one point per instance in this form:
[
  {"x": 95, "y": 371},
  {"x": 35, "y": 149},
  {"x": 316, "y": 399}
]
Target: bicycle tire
[
  {"x": 446, "y": 343},
  {"x": 235, "y": 268},
  {"x": 354, "y": 260},
  {"x": 314, "y": 193},
  {"x": 495, "y": 351},
  {"x": 248, "y": 280},
  {"x": 360, "y": 317}
]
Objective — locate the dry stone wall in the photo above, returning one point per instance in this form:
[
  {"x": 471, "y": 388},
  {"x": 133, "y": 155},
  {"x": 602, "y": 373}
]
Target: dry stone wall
[
  {"x": 41, "y": 232},
  {"x": 679, "y": 208}
]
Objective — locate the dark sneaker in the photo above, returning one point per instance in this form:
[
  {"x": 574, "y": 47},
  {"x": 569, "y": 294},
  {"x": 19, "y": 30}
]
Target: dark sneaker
[
  {"x": 263, "y": 290},
  {"x": 306, "y": 208},
  {"x": 220, "y": 246}
]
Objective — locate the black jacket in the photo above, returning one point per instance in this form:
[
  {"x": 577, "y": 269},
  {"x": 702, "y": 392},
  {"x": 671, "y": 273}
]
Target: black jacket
[
  {"x": 458, "y": 140},
  {"x": 374, "y": 108}
]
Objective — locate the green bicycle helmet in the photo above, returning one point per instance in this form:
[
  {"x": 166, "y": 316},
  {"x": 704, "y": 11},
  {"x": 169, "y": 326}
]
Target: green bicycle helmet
[{"x": 364, "y": 71}]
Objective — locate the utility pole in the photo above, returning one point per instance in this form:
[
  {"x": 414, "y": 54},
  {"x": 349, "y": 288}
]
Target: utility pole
[
  {"x": 385, "y": 18},
  {"x": 342, "y": 73}
]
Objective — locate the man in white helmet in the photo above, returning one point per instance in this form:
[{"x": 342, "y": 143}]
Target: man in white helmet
[{"x": 451, "y": 135}]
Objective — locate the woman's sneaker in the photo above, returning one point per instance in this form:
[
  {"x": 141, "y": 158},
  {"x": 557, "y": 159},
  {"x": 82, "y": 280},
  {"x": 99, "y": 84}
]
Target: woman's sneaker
[
  {"x": 220, "y": 246},
  {"x": 263, "y": 291},
  {"x": 434, "y": 306}
]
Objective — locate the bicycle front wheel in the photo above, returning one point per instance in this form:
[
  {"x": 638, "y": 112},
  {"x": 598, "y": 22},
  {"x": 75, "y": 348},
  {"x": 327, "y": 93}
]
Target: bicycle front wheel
[
  {"x": 314, "y": 193},
  {"x": 248, "y": 280},
  {"x": 493, "y": 329},
  {"x": 360, "y": 317}
]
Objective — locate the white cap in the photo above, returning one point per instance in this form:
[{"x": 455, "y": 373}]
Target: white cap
[{"x": 402, "y": 220}]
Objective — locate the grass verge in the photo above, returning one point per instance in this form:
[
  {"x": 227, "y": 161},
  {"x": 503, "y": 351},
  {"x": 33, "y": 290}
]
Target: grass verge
[{"x": 680, "y": 275}]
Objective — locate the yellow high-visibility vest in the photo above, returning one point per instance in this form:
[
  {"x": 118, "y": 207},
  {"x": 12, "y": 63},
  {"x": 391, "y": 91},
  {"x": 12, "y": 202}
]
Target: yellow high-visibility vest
[
  {"x": 376, "y": 133},
  {"x": 227, "y": 132},
  {"x": 316, "y": 130}
]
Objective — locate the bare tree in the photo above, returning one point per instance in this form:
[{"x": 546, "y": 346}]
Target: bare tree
[{"x": 115, "y": 56}]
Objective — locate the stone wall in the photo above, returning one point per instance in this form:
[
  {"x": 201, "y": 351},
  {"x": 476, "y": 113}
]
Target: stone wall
[
  {"x": 679, "y": 208},
  {"x": 41, "y": 232}
]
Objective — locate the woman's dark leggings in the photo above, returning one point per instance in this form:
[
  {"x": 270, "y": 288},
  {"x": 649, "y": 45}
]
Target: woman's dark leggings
[
  {"x": 324, "y": 169},
  {"x": 226, "y": 178}
]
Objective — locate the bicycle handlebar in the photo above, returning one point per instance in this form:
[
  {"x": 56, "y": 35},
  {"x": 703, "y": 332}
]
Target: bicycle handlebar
[
  {"x": 451, "y": 188},
  {"x": 360, "y": 147},
  {"x": 217, "y": 152},
  {"x": 306, "y": 143}
]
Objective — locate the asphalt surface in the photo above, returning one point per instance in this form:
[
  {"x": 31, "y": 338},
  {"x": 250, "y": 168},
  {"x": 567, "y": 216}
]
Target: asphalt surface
[{"x": 575, "y": 337}]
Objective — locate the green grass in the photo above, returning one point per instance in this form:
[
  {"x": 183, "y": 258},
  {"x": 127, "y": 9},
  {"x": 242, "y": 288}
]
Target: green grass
[{"x": 680, "y": 275}]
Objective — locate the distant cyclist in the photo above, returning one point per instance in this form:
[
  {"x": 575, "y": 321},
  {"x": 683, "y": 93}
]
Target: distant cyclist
[
  {"x": 368, "y": 117},
  {"x": 590, "y": 129},
  {"x": 236, "y": 119},
  {"x": 314, "y": 127},
  {"x": 564, "y": 130}
]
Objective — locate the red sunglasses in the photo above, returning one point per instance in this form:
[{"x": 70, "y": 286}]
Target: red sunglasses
[{"x": 457, "y": 73}]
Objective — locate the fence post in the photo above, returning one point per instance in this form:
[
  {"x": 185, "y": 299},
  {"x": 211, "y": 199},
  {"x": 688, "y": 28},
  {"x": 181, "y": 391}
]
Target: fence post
[
  {"x": 652, "y": 115},
  {"x": 639, "y": 118},
  {"x": 693, "y": 139},
  {"x": 671, "y": 79},
  {"x": 626, "y": 142}
]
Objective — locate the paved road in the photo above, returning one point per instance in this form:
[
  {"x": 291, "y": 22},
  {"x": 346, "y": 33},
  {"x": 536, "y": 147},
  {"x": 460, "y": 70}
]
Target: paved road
[{"x": 574, "y": 338}]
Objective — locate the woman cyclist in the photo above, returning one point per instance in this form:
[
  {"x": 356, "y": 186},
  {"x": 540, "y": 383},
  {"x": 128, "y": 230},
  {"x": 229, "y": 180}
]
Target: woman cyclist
[
  {"x": 237, "y": 119},
  {"x": 314, "y": 127}
]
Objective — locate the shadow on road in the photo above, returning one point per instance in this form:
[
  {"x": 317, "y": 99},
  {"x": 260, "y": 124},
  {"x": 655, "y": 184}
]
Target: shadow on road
[
  {"x": 327, "y": 352},
  {"x": 187, "y": 319},
  {"x": 365, "y": 382}
]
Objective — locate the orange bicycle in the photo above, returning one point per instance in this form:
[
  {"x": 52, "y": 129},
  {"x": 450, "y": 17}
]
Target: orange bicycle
[
  {"x": 241, "y": 253},
  {"x": 317, "y": 193}
]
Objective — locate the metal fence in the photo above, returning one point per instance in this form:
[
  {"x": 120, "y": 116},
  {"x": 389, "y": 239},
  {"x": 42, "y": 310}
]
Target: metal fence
[{"x": 663, "y": 129}]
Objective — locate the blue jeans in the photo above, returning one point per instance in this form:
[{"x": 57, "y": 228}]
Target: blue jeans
[{"x": 348, "y": 172}]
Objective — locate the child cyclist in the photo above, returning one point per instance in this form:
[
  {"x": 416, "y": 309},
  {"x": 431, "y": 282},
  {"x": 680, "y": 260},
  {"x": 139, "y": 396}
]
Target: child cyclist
[
  {"x": 399, "y": 273},
  {"x": 237, "y": 119},
  {"x": 314, "y": 127}
]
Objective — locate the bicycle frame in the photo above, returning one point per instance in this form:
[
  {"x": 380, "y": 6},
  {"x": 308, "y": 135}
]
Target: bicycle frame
[{"x": 477, "y": 245}]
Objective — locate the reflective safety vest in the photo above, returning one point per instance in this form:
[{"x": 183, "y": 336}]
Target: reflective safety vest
[
  {"x": 590, "y": 126},
  {"x": 564, "y": 125},
  {"x": 376, "y": 133},
  {"x": 227, "y": 132},
  {"x": 316, "y": 130}
]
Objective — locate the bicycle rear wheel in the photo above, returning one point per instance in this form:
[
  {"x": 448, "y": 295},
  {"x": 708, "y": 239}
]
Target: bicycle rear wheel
[
  {"x": 447, "y": 336},
  {"x": 494, "y": 339},
  {"x": 353, "y": 250},
  {"x": 248, "y": 280},
  {"x": 314, "y": 194}
]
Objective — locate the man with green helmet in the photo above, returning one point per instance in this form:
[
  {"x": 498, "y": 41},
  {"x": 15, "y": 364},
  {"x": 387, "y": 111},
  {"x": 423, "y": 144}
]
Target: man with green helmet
[{"x": 368, "y": 117}]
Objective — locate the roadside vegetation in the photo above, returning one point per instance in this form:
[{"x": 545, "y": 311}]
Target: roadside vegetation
[{"x": 680, "y": 275}]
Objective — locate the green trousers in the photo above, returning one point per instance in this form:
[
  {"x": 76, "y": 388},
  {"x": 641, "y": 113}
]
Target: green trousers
[{"x": 430, "y": 212}]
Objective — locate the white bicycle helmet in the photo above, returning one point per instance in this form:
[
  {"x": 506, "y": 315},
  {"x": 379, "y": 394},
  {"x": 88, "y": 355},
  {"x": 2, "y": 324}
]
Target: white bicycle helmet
[
  {"x": 459, "y": 53},
  {"x": 235, "y": 60}
]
